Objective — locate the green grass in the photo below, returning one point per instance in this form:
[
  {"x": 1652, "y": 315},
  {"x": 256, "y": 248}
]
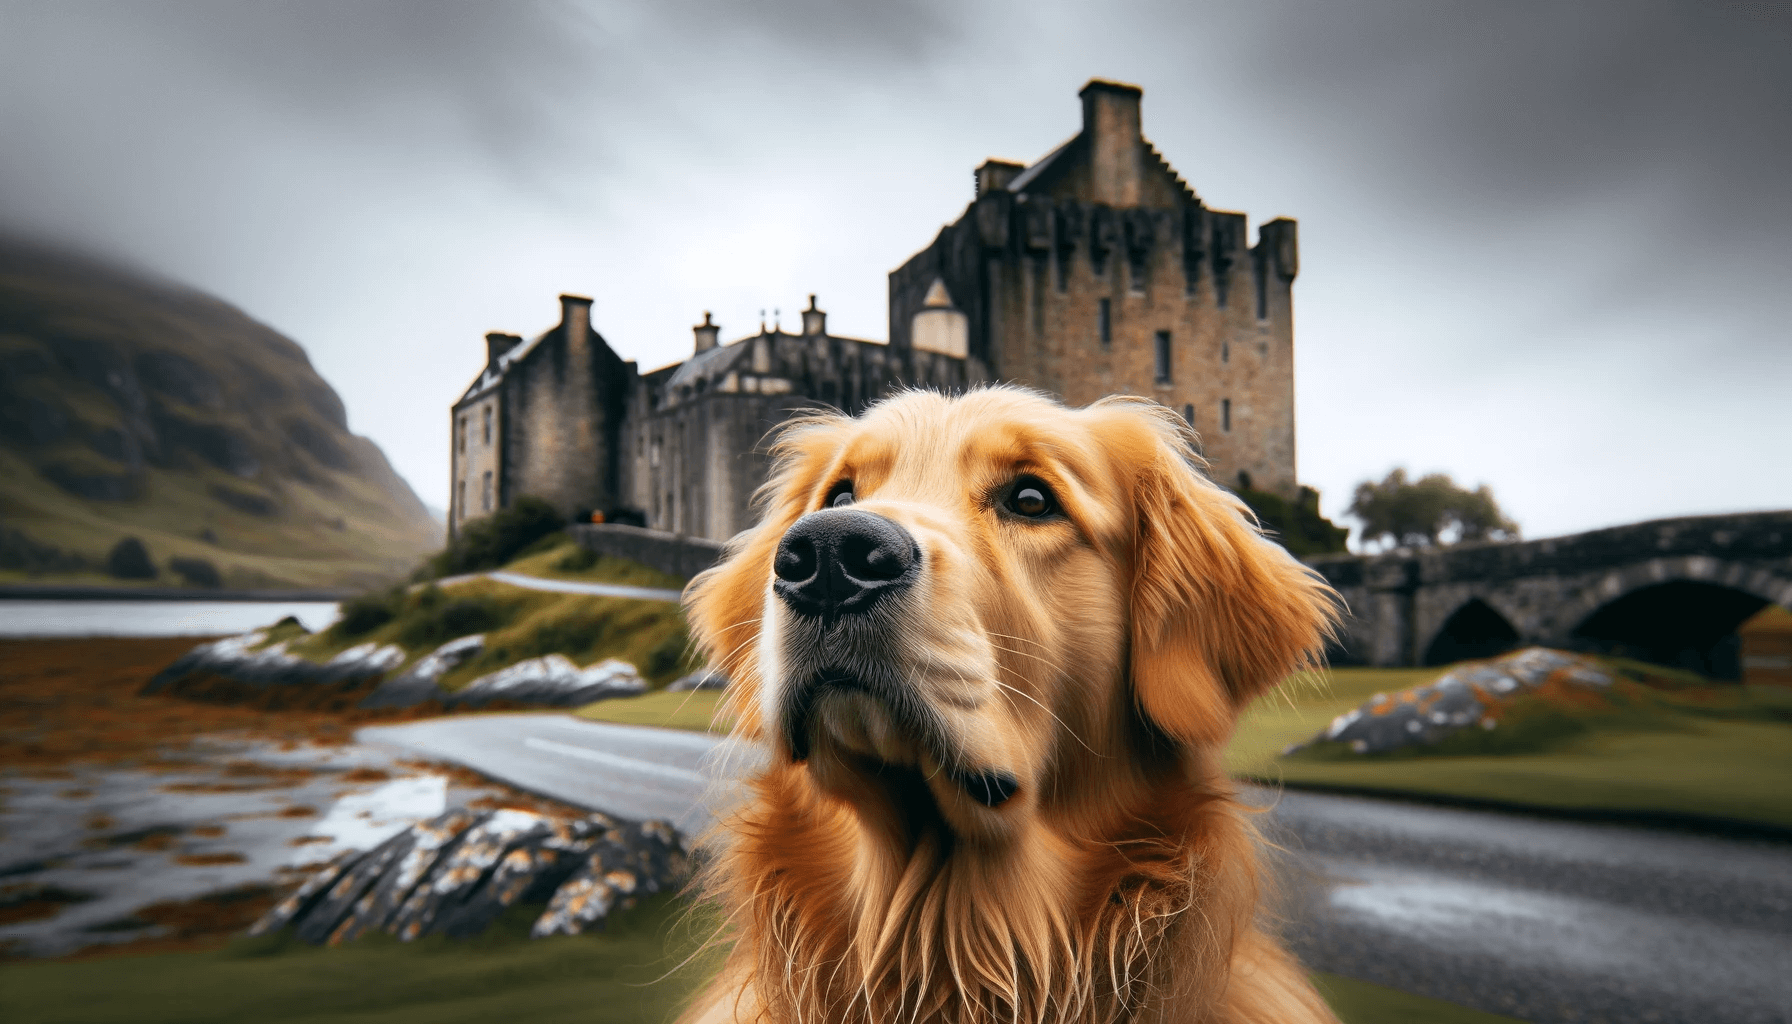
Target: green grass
[
  {"x": 1679, "y": 747},
  {"x": 639, "y": 970},
  {"x": 1359, "y": 1002},
  {"x": 627, "y": 973},
  {"x": 1731, "y": 770},
  {"x": 564, "y": 559},
  {"x": 519, "y": 623},
  {"x": 1303, "y": 705},
  {"x": 693, "y": 710}
]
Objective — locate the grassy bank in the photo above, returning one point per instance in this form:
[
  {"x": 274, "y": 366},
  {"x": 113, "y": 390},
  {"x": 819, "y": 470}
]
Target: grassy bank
[
  {"x": 1657, "y": 743},
  {"x": 640, "y": 970},
  {"x": 615, "y": 976},
  {"x": 559, "y": 557},
  {"x": 519, "y": 623},
  {"x": 698, "y": 711}
]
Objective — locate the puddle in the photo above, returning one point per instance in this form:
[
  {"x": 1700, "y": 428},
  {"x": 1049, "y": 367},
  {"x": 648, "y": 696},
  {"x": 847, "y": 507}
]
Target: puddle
[{"x": 364, "y": 820}]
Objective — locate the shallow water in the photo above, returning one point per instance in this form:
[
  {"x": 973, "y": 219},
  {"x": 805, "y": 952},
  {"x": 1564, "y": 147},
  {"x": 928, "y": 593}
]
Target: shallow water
[{"x": 154, "y": 618}]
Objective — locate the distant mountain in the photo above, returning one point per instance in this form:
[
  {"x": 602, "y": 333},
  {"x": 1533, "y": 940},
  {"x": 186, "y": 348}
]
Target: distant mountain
[{"x": 131, "y": 407}]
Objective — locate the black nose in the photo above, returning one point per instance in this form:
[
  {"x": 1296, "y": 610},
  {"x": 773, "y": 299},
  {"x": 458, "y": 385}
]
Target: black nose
[{"x": 841, "y": 561}]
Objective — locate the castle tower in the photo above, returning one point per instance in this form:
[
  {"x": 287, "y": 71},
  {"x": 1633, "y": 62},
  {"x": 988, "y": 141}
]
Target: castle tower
[{"x": 1098, "y": 271}]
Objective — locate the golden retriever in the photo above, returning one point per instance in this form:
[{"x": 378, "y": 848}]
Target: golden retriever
[{"x": 995, "y": 647}]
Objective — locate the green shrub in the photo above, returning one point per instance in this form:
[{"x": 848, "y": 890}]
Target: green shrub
[
  {"x": 196, "y": 571},
  {"x": 129, "y": 560},
  {"x": 18, "y": 551},
  {"x": 435, "y": 619},
  {"x": 368, "y": 612},
  {"x": 490, "y": 542}
]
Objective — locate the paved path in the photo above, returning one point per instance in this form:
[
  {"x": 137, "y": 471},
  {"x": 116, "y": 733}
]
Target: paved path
[
  {"x": 630, "y": 771},
  {"x": 1548, "y": 921},
  {"x": 567, "y": 586},
  {"x": 1544, "y": 920}
]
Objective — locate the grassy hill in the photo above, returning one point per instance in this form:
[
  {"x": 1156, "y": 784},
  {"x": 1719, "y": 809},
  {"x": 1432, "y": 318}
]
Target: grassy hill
[{"x": 136, "y": 408}]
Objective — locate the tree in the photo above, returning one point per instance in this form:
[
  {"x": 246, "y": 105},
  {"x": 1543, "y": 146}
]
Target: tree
[
  {"x": 1426, "y": 512},
  {"x": 1296, "y": 524}
]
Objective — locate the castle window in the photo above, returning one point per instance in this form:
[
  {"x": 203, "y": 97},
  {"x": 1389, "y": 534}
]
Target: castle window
[
  {"x": 485, "y": 492},
  {"x": 460, "y": 431},
  {"x": 488, "y": 424},
  {"x": 1226, "y": 415},
  {"x": 1104, "y": 320},
  {"x": 1225, "y": 351},
  {"x": 1188, "y": 415},
  {"x": 1163, "y": 357},
  {"x": 460, "y": 496}
]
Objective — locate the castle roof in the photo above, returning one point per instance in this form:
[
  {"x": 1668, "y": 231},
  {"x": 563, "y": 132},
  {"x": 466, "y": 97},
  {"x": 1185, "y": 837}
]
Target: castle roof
[
  {"x": 494, "y": 371},
  {"x": 713, "y": 363},
  {"x": 1033, "y": 173}
]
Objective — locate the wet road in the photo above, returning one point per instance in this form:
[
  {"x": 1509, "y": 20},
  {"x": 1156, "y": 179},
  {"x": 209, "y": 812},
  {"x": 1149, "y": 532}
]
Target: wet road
[
  {"x": 629, "y": 771},
  {"x": 1548, "y": 921},
  {"x": 1539, "y": 919}
]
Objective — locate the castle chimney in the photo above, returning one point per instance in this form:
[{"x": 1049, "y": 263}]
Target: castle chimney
[
  {"x": 497, "y": 343},
  {"x": 575, "y": 318},
  {"x": 995, "y": 175},
  {"x": 706, "y": 333},
  {"x": 815, "y": 322},
  {"x": 1116, "y": 143}
]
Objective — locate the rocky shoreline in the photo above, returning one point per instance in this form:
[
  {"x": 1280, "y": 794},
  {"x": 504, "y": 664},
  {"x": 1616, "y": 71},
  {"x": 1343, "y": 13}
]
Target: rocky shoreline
[
  {"x": 248, "y": 669},
  {"x": 456, "y": 873}
]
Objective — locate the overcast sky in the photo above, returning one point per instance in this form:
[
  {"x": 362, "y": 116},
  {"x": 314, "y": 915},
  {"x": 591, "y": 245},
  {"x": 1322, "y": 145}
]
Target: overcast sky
[{"x": 1545, "y": 246}]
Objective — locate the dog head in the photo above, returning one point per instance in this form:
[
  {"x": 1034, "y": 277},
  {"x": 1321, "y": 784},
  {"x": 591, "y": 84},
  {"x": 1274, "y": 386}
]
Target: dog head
[{"x": 988, "y": 607}]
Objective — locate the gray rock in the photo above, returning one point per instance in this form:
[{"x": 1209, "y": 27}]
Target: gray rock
[
  {"x": 705, "y": 678},
  {"x": 418, "y": 683},
  {"x": 551, "y": 681},
  {"x": 624, "y": 866},
  {"x": 232, "y": 658},
  {"x": 454, "y": 876},
  {"x": 1464, "y": 697}
]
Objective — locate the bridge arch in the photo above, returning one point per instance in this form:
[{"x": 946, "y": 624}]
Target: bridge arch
[
  {"x": 1475, "y": 629},
  {"x": 1674, "y": 611}
]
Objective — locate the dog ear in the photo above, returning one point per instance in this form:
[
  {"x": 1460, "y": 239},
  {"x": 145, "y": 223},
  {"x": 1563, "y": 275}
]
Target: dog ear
[{"x": 1220, "y": 613}]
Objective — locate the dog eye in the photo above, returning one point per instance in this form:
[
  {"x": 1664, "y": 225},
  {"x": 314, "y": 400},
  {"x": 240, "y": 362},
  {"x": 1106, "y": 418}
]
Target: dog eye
[
  {"x": 1031, "y": 498},
  {"x": 840, "y": 496}
]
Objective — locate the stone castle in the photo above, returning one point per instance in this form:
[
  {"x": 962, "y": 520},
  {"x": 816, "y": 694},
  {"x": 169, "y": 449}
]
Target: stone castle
[{"x": 1094, "y": 271}]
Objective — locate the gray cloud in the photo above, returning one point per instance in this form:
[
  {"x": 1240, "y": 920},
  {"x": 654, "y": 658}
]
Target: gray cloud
[{"x": 1537, "y": 229}]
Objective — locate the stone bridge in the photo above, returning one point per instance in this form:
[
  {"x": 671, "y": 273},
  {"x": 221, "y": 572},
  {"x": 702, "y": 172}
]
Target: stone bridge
[{"x": 1671, "y": 591}]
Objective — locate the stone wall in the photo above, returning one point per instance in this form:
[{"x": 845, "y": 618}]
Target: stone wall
[
  {"x": 672, "y": 553},
  {"x": 696, "y": 445},
  {"x": 564, "y": 406},
  {"x": 477, "y": 435}
]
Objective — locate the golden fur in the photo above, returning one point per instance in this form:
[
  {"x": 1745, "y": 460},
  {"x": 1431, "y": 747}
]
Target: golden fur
[{"x": 1100, "y": 658}]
